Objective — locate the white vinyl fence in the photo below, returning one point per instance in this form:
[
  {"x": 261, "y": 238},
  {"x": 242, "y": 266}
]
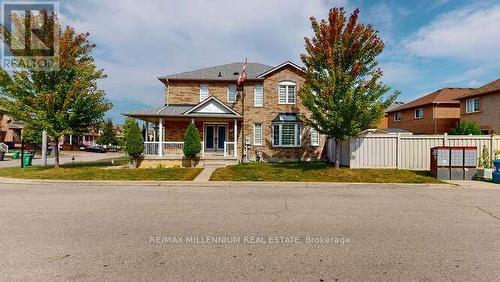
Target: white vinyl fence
[{"x": 403, "y": 151}]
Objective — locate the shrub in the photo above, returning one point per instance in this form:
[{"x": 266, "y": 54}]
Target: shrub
[
  {"x": 466, "y": 128},
  {"x": 484, "y": 160},
  {"x": 134, "y": 143},
  {"x": 192, "y": 142}
]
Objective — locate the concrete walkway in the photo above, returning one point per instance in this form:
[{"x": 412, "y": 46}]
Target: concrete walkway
[
  {"x": 205, "y": 174},
  {"x": 474, "y": 184}
]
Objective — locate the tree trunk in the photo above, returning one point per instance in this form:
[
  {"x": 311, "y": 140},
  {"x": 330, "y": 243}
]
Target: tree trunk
[
  {"x": 338, "y": 145},
  {"x": 55, "y": 147}
]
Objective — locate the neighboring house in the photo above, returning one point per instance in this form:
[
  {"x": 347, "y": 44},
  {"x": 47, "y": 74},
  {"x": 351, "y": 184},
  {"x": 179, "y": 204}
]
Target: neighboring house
[
  {"x": 482, "y": 106},
  {"x": 435, "y": 113},
  {"x": 384, "y": 122},
  {"x": 267, "y": 117},
  {"x": 10, "y": 130}
]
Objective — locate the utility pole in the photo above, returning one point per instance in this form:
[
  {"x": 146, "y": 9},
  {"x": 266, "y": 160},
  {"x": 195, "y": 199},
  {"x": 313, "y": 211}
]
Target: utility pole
[{"x": 44, "y": 148}]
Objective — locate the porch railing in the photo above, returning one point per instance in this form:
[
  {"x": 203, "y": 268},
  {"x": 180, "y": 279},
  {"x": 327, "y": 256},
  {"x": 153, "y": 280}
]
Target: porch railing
[
  {"x": 4, "y": 148},
  {"x": 229, "y": 149},
  {"x": 169, "y": 149}
]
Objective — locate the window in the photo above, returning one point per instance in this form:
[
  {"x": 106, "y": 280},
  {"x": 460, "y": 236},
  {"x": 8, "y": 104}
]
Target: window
[
  {"x": 286, "y": 92},
  {"x": 472, "y": 105},
  {"x": 259, "y": 95},
  {"x": 257, "y": 134},
  {"x": 231, "y": 93},
  {"x": 286, "y": 135},
  {"x": 419, "y": 113},
  {"x": 397, "y": 117},
  {"x": 314, "y": 137},
  {"x": 203, "y": 92}
]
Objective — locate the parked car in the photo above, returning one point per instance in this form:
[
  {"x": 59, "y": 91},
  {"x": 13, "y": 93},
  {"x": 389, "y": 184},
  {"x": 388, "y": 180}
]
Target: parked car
[{"x": 96, "y": 149}]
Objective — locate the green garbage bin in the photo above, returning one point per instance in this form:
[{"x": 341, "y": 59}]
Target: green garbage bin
[
  {"x": 28, "y": 159},
  {"x": 15, "y": 155}
]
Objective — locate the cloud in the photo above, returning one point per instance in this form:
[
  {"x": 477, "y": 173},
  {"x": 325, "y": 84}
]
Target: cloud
[
  {"x": 397, "y": 72},
  {"x": 137, "y": 41},
  {"x": 471, "y": 33}
]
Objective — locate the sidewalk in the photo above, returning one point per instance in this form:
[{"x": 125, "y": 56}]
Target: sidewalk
[
  {"x": 66, "y": 157},
  {"x": 474, "y": 184}
]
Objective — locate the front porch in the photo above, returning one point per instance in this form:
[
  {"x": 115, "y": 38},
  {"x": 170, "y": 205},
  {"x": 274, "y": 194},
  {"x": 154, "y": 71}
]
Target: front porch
[{"x": 164, "y": 129}]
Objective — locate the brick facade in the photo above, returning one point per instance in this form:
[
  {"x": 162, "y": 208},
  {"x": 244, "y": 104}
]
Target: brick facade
[
  {"x": 187, "y": 92},
  {"x": 437, "y": 119},
  {"x": 488, "y": 116}
]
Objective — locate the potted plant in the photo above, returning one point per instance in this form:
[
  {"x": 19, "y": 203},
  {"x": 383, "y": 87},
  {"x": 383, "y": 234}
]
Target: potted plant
[
  {"x": 192, "y": 144},
  {"x": 485, "y": 165}
]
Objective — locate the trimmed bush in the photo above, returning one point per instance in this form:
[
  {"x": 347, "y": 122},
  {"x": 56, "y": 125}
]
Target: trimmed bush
[
  {"x": 134, "y": 143},
  {"x": 466, "y": 128},
  {"x": 192, "y": 142}
]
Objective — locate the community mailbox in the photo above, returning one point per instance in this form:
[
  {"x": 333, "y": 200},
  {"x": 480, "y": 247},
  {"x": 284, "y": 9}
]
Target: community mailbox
[{"x": 453, "y": 163}]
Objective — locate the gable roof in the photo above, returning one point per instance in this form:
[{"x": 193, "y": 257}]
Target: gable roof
[
  {"x": 287, "y": 63},
  {"x": 211, "y": 99},
  {"x": 442, "y": 96},
  {"x": 227, "y": 72},
  {"x": 485, "y": 89}
]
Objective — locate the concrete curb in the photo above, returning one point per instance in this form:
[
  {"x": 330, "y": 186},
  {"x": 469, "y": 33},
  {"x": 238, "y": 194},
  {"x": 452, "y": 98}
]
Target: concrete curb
[{"x": 4, "y": 180}]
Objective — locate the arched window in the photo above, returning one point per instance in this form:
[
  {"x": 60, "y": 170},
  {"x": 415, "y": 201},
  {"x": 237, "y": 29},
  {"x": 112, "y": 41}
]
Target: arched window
[{"x": 287, "y": 91}]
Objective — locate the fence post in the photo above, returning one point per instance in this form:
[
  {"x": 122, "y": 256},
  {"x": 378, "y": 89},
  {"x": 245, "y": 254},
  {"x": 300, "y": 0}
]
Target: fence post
[
  {"x": 398, "y": 150},
  {"x": 446, "y": 142},
  {"x": 493, "y": 144}
]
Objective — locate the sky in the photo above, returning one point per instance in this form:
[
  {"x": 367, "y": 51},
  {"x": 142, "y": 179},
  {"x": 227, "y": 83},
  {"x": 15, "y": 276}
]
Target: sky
[{"x": 430, "y": 44}]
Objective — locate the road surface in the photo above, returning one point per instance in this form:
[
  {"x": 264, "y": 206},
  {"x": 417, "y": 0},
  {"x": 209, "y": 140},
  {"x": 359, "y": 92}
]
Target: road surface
[{"x": 338, "y": 233}]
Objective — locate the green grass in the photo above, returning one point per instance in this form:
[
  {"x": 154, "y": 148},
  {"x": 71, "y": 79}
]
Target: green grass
[
  {"x": 100, "y": 170},
  {"x": 317, "y": 172}
]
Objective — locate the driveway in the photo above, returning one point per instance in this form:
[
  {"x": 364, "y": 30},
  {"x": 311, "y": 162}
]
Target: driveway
[
  {"x": 352, "y": 232},
  {"x": 65, "y": 158}
]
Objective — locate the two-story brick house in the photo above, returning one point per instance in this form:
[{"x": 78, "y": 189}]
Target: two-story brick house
[
  {"x": 434, "y": 113},
  {"x": 264, "y": 113},
  {"x": 482, "y": 106}
]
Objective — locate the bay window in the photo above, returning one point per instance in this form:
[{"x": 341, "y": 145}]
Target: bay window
[{"x": 287, "y": 135}]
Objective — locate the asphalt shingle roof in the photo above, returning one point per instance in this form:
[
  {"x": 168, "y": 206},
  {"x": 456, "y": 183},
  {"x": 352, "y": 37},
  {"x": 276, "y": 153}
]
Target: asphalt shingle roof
[
  {"x": 485, "y": 89},
  {"x": 442, "y": 96},
  {"x": 170, "y": 110},
  {"x": 222, "y": 72}
]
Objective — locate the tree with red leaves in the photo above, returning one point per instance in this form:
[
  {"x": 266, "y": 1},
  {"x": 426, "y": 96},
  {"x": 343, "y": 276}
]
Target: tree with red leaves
[{"x": 342, "y": 89}]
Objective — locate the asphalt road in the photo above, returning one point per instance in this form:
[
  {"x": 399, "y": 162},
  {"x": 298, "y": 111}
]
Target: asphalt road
[
  {"x": 347, "y": 233},
  {"x": 66, "y": 157}
]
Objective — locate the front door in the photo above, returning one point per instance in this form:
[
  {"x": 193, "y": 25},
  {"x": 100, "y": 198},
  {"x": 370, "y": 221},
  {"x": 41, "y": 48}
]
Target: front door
[{"x": 215, "y": 136}]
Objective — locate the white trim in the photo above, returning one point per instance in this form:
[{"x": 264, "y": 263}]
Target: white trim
[
  {"x": 297, "y": 130},
  {"x": 261, "y": 134},
  {"x": 229, "y": 91},
  {"x": 287, "y": 63},
  {"x": 207, "y": 101},
  {"x": 208, "y": 92},
  {"x": 394, "y": 117},
  {"x": 261, "y": 85},
  {"x": 314, "y": 131},
  {"x": 287, "y": 84},
  {"x": 467, "y": 105},
  {"x": 415, "y": 113},
  {"x": 216, "y": 146}
]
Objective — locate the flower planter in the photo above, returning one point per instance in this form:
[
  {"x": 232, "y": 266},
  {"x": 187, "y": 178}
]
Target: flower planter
[{"x": 485, "y": 173}]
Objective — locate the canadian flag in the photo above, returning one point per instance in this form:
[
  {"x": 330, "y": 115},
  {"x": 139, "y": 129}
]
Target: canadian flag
[{"x": 243, "y": 73}]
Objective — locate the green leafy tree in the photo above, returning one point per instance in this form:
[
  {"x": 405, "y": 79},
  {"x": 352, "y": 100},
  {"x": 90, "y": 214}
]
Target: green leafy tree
[
  {"x": 108, "y": 136},
  {"x": 32, "y": 136},
  {"x": 466, "y": 128},
  {"x": 129, "y": 122},
  {"x": 192, "y": 142},
  {"x": 64, "y": 100},
  {"x": 134, "y": 143},
  {"x": 342, "y": 88}
]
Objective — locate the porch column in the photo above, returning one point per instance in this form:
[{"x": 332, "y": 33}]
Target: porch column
[
  {"x": 146, "y": 132},
  {"x": 71, "y": 139},
  {"x": 235, "y": 135},
  {"x": 160, "y": 148}
]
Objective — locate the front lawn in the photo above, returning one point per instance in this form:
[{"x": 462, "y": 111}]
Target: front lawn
[
  {"x": 317, "y": 172},
  {"x": 101, "y": 170}
]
